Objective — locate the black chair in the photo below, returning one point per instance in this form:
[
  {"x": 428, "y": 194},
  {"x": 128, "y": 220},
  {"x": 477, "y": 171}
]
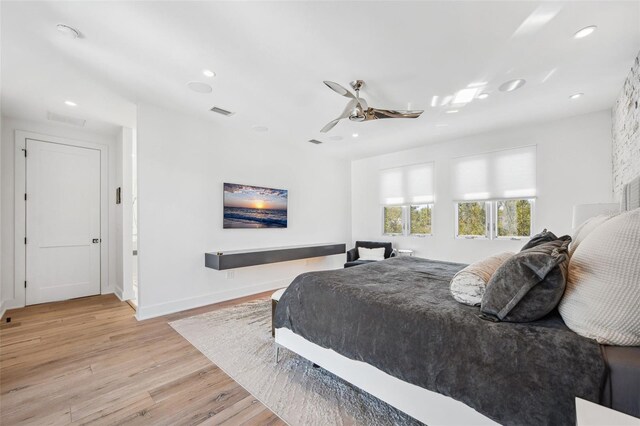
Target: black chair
[{"x": 353, "y": 256}]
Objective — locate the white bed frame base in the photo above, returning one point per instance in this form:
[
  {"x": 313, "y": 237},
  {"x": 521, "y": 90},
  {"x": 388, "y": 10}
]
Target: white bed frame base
[{"x": 429, "y": 407}]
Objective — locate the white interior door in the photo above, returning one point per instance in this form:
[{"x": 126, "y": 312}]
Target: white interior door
[{"x": 63, "y": 222}]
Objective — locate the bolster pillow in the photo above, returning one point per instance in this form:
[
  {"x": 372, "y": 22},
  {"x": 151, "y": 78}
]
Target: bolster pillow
[{"x": 468, "y": 285}]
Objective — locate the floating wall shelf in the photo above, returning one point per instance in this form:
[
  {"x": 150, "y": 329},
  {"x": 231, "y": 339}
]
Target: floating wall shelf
[{"x": 243, "y": 258}]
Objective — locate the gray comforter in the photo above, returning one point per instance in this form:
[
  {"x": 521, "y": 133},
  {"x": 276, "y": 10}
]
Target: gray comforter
[{"x": 399, "y": 316}]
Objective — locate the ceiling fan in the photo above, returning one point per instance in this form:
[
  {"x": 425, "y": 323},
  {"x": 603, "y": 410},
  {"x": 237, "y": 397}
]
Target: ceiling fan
[{"x": 358, "y": 110}]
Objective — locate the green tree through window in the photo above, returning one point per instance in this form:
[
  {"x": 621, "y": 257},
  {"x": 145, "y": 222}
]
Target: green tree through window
[
  {"x": 514, "y": 218},
  {"x": 393, "y": 220},
  {"x": 472, "y": 219},
  {"x": 421, "y": 219}
]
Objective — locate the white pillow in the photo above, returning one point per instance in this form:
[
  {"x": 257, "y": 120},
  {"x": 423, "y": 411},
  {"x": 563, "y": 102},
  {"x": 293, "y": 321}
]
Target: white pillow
[
  {"x": 469, "y": 284},
  {"x": 370, "y": 254},
  {"x": 602, "y": 298},
  {"x": 585, "y": 229}
]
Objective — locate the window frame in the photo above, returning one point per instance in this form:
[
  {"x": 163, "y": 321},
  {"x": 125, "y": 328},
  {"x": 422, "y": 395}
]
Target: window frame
[
  {"x": 406, "y": 220},
  {"x": 491, "y": 222}
]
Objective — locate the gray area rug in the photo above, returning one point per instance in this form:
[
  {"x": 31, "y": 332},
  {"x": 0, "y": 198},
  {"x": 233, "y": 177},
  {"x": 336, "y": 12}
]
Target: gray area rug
[{"x": 238, "y": 340}]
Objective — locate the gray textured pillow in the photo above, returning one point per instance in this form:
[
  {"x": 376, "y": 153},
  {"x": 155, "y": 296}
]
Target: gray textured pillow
[
  {"x": 528, "y": 285},
  {"x": 541, "y": 238}
]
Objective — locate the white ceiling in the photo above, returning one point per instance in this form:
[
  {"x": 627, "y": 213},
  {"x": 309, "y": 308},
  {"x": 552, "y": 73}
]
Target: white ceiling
[{"x": 271, "y": 58}]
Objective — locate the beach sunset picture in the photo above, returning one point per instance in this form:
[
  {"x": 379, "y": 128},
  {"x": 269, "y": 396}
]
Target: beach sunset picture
[{"x": 254, "y": 207}]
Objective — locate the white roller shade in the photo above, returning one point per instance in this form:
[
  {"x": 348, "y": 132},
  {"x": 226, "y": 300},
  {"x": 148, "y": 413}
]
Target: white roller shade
[
  {"x": 419, "y": 186},
  {"x": 408, "y": 184},
  {"x": 509, "y": 173}
]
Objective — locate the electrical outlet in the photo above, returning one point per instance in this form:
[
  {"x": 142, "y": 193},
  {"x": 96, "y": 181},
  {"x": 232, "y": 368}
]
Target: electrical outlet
[{"x": 230, "y": 275}]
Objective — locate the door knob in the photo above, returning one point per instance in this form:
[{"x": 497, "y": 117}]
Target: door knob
[{"x": 95, "y": 240}]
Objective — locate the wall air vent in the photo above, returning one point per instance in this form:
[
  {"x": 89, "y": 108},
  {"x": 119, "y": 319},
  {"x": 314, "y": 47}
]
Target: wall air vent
[
  {"x": 222, "y": 111},
  {"x": 78, "y": 122},
  {"x": 315, "y": 141}
]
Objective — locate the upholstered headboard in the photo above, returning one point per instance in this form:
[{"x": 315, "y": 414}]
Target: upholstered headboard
[{"x": 631, "y": 195}]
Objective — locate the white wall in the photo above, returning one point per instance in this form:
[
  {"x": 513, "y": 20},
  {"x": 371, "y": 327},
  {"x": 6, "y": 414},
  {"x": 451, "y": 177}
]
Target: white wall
[
  {"x": 7, "y": 142},
  {"x": 574, "y": 167},
  {"x": 182, "y": 164}
]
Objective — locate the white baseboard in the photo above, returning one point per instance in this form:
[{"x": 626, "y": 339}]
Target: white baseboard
[
  {"x": 146, "y": 312},
  {"x": 118, "y": 292}
]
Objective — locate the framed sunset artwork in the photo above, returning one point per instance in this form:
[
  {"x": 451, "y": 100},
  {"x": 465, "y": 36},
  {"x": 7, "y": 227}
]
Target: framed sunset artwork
[{"x": 247, "y": 206}]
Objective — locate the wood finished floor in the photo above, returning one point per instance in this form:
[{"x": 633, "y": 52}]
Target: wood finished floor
[{"x": 89, "y": 361}]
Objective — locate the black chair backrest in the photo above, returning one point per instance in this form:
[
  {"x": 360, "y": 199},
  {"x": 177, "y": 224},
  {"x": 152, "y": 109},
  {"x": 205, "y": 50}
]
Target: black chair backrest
[{"x": 388, "y": 247}]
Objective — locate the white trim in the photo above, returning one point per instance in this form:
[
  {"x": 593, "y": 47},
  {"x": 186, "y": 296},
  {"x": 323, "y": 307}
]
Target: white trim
[
  {"x": 146, "y": 312},
  {"x": 427, "y": 406},
  {"x": 19, "y": 296},
  {"x": 3, "y": 308}
]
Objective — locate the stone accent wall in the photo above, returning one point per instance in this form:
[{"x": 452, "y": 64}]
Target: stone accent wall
[{"x": 626, "y": 131}]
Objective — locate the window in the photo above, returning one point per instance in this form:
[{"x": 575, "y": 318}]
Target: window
[
  {"x": 472, "y": 219},
  {"x": 406, "y": 196},
  {"x": 494, "y": 219},
  {"x": 495, "y": 193},
  {"x": 413, "y": 220},
  {"x": 513, "y": 218},
  {"x": 393, "y": 220},
  {"x": 420, "y": 219}
]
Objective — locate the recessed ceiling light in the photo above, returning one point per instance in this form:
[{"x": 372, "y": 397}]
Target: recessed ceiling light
[
  {"x": 576, "y": 95},
  {"x": 70, "y": 103},
  {"x": 354, "y": 135},
  {"x": 585, "y": 31},
  {"x": 483, "y": 96},
  {"x": 200, "y": 87},
  {"x": 451, "y": 111},
  {"x": 260, "y": 128},
  {"x": 208, "y": 73},
  {"x": 68, "y": 31},
  {"x": 512, "y": 85},
  {"x": 336, "y": 138}
]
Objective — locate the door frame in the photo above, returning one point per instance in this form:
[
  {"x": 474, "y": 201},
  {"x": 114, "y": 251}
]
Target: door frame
[{"x": 20, "y": 188}]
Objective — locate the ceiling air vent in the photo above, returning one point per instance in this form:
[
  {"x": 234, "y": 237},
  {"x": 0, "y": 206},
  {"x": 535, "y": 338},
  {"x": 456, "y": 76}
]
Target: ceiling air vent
[
  {"x": 222, "y": 111},
  {"x": 78, "y": 122},
  {"x": 315, "y": 141}
]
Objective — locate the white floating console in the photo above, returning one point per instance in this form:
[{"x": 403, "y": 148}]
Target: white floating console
[{"x": 242, "y": 258}]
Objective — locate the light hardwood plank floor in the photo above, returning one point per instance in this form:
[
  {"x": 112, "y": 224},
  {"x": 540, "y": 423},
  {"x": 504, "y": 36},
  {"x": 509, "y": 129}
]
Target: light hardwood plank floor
[{"x": 89, "y": 361}]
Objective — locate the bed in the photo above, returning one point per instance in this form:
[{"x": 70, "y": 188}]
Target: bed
[{"x": 393, "y": 329}]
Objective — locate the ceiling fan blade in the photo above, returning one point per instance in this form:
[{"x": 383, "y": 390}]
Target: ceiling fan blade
[
  {"x": 347, "y": 109},
  {"x": 330, "y": 125},
  {"x": 376, "y": 114},
  {"x": 339, "y": 89}
]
